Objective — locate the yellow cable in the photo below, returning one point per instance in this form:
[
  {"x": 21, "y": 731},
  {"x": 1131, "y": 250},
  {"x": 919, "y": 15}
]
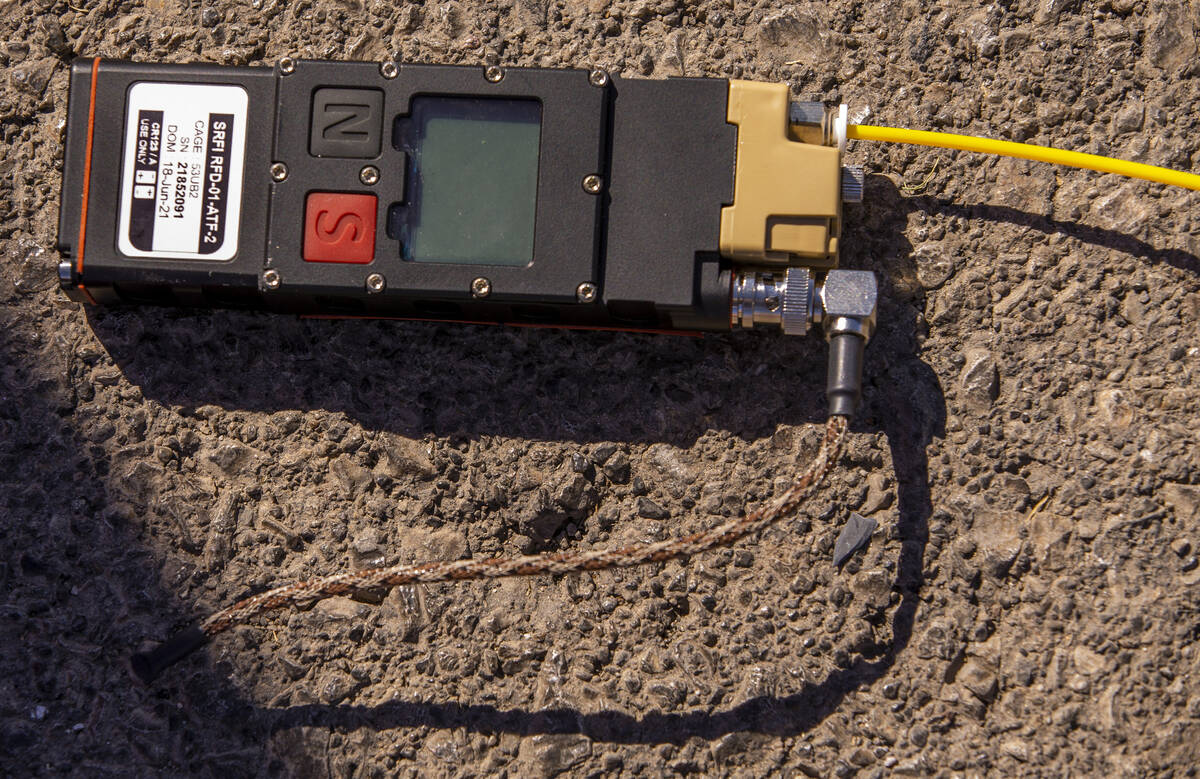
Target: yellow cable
[{"x": 1025, "y": 151}]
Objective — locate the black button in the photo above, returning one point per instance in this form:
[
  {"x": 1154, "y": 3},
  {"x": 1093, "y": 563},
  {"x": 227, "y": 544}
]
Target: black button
[{"x": 346, "y": 123}]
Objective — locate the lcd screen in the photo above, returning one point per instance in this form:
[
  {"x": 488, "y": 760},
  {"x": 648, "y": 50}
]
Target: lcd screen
[{"x": 471, "y": 190}]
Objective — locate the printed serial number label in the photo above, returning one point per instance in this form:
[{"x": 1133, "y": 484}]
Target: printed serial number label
[{"x": 181, "y": 187}]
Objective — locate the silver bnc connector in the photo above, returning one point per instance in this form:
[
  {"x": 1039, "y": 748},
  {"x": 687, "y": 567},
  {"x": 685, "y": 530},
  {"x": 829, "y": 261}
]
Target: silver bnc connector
[
  {"x": 782, "y": 299},
  {"x": 844, "y": 304}
]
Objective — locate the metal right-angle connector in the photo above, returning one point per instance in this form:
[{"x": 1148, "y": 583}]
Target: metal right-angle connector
[
  {"x": 847, "y": 314},
  {"x": 847, "y": 302}
]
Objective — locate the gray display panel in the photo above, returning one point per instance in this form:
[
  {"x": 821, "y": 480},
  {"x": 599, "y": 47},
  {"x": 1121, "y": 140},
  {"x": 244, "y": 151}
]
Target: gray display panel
[{"x": 472, "y": 180}]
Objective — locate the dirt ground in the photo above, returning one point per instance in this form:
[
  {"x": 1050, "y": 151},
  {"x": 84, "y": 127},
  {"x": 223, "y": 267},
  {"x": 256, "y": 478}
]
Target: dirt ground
[{"x": 1028, "y": 441}]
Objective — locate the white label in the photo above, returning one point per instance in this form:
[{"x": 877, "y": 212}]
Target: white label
[{"x": 181, "y": 187}]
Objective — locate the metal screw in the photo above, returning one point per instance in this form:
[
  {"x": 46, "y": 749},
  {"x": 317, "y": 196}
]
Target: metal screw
[
  {"x": 586, "y": 292},
  {"x": 493, "y": 73},
  {"x": 376, "y": 282},
  {"x": 481, "y": 288},
  {"x": 598, "y": 78},
  {"x": 271, "y": 279},
  {"x": 279, "y": 171},
  {"x": 369, "y": 175},
  {"x": 592, "y": 184},
  {"x": 287, "y": 65},
  {"x": 389, "y": 70}
]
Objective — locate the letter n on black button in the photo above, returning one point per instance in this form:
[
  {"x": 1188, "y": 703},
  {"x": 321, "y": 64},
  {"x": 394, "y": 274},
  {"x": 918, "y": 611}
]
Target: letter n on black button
[{"x": 346, "y": 123}]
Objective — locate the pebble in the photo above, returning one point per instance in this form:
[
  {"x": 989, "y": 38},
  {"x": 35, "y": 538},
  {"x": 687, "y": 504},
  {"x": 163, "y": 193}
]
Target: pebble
[
  {"x": 603, "y": 452},
  {"x": 980, "y": 378},
  {"x": 879, "y": 494},
  {"x": 934, "y": 267},
  {"x": 340, "y": 609},
  {"x": 617, "y": 468},
  {"x": 979, "y": 680},
  {"x": 335, "y": 687},
  {"x": 650, "y": 510}
]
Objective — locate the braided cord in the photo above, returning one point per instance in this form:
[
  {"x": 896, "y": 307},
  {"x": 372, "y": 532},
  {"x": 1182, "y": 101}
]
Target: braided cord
[{"x": 724, "y": 534}]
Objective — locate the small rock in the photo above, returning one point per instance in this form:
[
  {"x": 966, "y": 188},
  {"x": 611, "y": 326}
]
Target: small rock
[
  {"x": 650, "y": 510},
  {"x": 979, "y": 680},
  {"x": 1114, "y": 408},
  {"x": 335, "y": 687},
  {"x": 52, "y": 36},
  {"x": 367, "y": 543},
  {"x": 547, "y": 755},
  {"x": 933, "y": 265},
  {"x": 879, "y": 494},
  {"x": 788, "y": 28},
  {"x": 1079, "y": 683},
  {"x": 406, "y": 457},
  {"x": 856, "y": 533},
  {"x": 1181, "y": 547},
  {"x": 1089, "y": 662},
  {"x": 667, "y": 461},
  {"x": 403, "y": 613},
  {"x": 1170, "y": 41},
  {"x": 872, "y": 589},
  {"x": 1016, "y": 749},
  {"x": 352, "y": 477},
  {"x": 736, "y": 743},
  {"x": 617, "y": 468},
  {"x": 997, "y": 536},
  {"x": 339, "y": 609},
  {"x": 1048, "y": 10},
  {"x": 940, "y": 640},
  {"x": 1183, "y": 498},
  {"x": 602, "y": 452},
  {"x": 32, "y": 272},
  {"x": 228, "y": 456},
  {"x": 293, "y": 669},
  {"x": 980, "y": 378},
  {"x": 1065, "y": 715},
  {"x": 575, "y": 493},
  {"x": 210, "y": 17},
  {"x": 32, "y": 76},
  {"x": 1013, "y": 40},
  {"x": 444, "y": 544}
]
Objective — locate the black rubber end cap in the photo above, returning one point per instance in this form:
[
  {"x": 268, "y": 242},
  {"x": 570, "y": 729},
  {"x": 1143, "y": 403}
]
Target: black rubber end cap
[
  {"x": 148, "y": 665},
  {"x": 843, "y": 385}
]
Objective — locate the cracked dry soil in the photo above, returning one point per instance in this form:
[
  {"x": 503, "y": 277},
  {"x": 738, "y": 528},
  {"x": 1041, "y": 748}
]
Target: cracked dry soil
[{"x": 1028, "y": 441}]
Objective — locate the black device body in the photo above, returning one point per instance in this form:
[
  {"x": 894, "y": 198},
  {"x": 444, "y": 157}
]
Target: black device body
[{"x": 631, "y": 177}]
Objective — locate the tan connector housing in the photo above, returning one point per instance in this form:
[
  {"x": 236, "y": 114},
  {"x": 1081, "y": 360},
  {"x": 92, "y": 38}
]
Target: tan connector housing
[{"x": 787, "y": 194}]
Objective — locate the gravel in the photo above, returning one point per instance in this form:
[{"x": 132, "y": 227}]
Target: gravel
[{"x": 1027, "y": 445}]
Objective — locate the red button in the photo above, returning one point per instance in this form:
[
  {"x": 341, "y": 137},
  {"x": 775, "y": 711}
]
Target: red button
[{"x": 339, "y": 227}]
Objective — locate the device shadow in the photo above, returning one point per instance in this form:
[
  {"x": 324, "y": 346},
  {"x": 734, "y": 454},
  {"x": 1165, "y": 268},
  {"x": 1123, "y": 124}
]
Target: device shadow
[
  {"x": 1084, "y": 233},
  {"x": 415, "y": 379},
  {"x": 419, "y": 379}
]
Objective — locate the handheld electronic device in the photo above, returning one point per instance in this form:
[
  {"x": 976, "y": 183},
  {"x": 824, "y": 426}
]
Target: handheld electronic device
[{"x": 483, "y": 194}]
